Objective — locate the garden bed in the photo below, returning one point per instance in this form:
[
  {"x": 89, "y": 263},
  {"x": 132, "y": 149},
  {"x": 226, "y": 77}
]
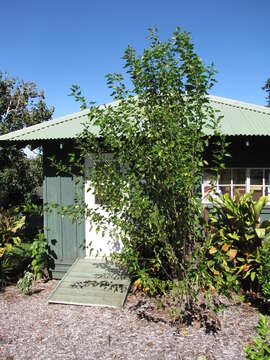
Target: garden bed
[{"x": 32, "y": 329}]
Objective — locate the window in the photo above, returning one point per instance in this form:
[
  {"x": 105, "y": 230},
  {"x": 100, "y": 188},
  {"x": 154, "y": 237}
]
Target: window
[{"x": 238, "y": 181}]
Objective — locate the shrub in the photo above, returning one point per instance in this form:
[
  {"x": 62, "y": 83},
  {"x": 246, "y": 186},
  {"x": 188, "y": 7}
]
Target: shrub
[
  {"x": 16, "y": 250},
  {"x": 149, "y": 187},
  {"x": 260, "y": 348},
  {"x": 10, "y": 225},
  {"x": 264, "y": 271},
  {"x": 15, "y": 262},
  {"x": 40, "y": 259},
  {"x": 33, "y": 212},
  {"x": 235, "y": 238}
]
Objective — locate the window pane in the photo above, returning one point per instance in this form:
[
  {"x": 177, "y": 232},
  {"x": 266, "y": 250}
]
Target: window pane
[
  {"x": 257, "y": 192},
  {"x": 267, "y": 182},
  {"x": 267, "y": 176},
  {"x": 225, "y": 177},
  {"x": 256, "y": 180},
  {"x": 256, "y": 176},
  {"x": 239, "y": 190},
  {"x": 239, "y": 176},
  {"x": 225, "y": 190}
]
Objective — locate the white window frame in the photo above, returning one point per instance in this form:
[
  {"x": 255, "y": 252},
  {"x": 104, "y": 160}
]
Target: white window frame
[{"x": 248, "y": 185}]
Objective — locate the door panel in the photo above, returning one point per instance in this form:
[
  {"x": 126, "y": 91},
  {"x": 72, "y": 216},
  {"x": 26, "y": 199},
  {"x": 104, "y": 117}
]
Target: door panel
[{"x": 66, "y": 240}]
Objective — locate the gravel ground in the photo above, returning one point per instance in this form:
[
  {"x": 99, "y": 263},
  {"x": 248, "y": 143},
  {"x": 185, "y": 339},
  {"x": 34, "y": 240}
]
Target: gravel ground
[{"x": 32, "y": 329}]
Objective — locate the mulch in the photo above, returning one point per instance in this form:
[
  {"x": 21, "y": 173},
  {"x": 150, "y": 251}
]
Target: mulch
[{"x": 32, "y": 329}]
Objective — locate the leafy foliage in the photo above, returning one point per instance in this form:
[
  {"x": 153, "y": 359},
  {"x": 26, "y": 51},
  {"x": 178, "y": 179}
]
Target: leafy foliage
[
  {"x": 154, "y": 131},
  {"x": 14, "y": 263},
  {"x": 33, "y": 212},
  {"x": 264, "y": 270},
  {"x": 17, "y": 250},
  {"x": 260, "y": 348},
  {"x": 15, "y": 175},
  {"x": 10, "y": 226},
  {"x": 21, "y": 105},
  {"x": 25, "y": 283},
  {"x": 39, "y": 255},
  {"x": 235, "y": 238},
  {"x": 266, "y": 87}
]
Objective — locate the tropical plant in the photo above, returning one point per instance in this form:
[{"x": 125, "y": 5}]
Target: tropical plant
[
  {"x": 10, "y": 225},
  {"x": 264, "y": 270},
  {"x": 40, "y": 260},
  {"x": 260, "y": 348},
  {"x": 234, "y": 240},
  {"x": 155, "y": 131},
  {"x": 14, "y": 263}
]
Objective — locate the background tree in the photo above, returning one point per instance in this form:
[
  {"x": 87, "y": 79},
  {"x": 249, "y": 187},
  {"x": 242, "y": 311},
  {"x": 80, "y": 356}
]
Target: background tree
[
  {"x": 266, "y": 87},
  {"x": 21, "y": 105},
  {"x": 155, "y": 131}
]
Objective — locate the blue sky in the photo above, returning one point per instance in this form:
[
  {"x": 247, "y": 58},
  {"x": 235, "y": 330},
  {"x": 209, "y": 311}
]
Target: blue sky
[{"x": 57, "y": 43}]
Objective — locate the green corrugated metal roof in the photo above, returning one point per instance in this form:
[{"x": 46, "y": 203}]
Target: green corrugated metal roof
[
  {"x": 240, "y": 118},
  {"x": 66, "y": 127}
]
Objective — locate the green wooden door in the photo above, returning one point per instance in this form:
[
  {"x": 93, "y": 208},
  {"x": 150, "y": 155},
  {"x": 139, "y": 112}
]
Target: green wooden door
[{"x": 66, "y": 239}]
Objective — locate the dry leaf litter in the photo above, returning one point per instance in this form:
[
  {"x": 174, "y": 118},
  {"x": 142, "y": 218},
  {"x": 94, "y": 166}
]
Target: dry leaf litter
[{"x": 32, "y": 329}]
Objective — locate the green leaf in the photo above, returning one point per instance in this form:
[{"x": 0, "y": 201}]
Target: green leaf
[
  {"x": 212, "y": 250},
  {"x": 260, "y": 232},
  {"x": 260, "y": 204},
  {"x": 252, "y": 275},
  {"x": 233, "y": 236}
]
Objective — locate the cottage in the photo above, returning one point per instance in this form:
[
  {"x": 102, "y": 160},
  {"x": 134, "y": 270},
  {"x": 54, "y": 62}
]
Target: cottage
[{"x": 247, "y": 127}]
